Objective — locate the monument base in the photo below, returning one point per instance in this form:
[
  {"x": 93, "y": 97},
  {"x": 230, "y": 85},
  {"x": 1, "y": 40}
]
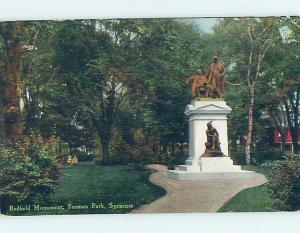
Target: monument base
[{"x": 214, "y": 168}]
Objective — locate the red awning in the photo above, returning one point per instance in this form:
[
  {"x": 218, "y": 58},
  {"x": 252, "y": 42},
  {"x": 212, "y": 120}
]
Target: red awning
[{"x": 277, "y": 136}]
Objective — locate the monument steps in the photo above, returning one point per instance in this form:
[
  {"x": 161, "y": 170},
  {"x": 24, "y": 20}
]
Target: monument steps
[
  {"x": 183, "y": 175},
  {"x": 218, "y": 168}
]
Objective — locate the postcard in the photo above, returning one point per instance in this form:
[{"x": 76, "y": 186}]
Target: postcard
[{"x": 149, "y": 115}]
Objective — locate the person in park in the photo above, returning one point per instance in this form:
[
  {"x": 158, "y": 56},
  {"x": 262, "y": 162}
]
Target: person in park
[{"x": 215, "y": 76}]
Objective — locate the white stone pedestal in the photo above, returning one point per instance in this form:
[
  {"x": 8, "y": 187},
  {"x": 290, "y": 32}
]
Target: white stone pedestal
[{"x": 197, "y": 167}]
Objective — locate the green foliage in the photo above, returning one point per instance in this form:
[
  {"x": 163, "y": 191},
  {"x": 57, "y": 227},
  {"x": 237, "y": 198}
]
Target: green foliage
[
  {"x": 83, "y": 156},
  {"x": 133, "y": 154},
  {"x": 261, "y": 153},
  {"x": 71, "y": 92},
  {"x": 237, "y": 154},
  {"x": 264, "y": 152},
  {"x": 124, "y": 75},
  {"x": 30, "y": 169},
  {"x": 169, "y": 52},
  {"x": 284, "y": 184},
  {"x": 177, "y": 159},
  {"x": 100, "y": 78},
  {"x": 86, "y": 81}
]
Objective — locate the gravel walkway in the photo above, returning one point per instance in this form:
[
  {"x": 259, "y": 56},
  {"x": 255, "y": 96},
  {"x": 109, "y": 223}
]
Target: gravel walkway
[{"x": 194, "y": 196}]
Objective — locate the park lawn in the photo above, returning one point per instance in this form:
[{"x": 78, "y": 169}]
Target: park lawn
[
  {"x": 255, "y": 199},
  {"x": 89, "y": 183}
]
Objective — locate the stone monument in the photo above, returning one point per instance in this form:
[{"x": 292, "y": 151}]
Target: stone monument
[{"x": 208, "y": 140}]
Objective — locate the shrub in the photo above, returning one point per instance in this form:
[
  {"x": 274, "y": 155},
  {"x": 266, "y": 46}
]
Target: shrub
[
  {"x": 82, "y": 156},
  {"x": 264, "y": 152},
  {"x": 259, "y": 154},
  {"x": 177, "y": 159},
  {"x": 29, "y": 169},
  {"x": 284, "y": 184},
  {"x": 132, "y": 154},
  {"x": 238, "y": 155}
]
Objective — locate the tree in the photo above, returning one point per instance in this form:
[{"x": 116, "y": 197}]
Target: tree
[
  {"x": 282, "y": 82},
  {"x": 99, "y": 78},
  {"x": 246, "y": 52},
  {"x": 170, "y": 51},
  {"x": 17, "y": 40},
  {"x": 291, "y": 87},
  {"x": 11, "y": 55}
]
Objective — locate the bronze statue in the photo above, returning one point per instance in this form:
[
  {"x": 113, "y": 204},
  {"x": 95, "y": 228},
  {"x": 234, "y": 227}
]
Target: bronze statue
[
  {"x": 212, "y": 145},
  {"x": 215, "y": 76},
  {"x": 210, "y": 85},
  {"x": 199, "y": 84}
]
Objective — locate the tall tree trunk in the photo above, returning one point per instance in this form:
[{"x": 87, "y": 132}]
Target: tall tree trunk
[
  {"x": 12, "y": 115},
  {"x": 282, "y": 132},
  {"x": 288, "y": 116},
  {"x": 282, "y": 126},
  {"x": 173, "y": 148},
  {"x": 251, "y": 78},
  {"x": 295, "y": 126},
  {"x": 292, "y": 113},
  {"x": 105, "y": 149},
  {"x": 105, "y": 134},
  {"x": 10, "y": 32},
  {"x": 2, "y": 121},
  {"x": 296, "y": 118},
  {"x": 154, "y": 151},
  {"x": 280, "y": 123},
  {"x": 250, "y": 123},
  {"x": 295, "y": 134}
]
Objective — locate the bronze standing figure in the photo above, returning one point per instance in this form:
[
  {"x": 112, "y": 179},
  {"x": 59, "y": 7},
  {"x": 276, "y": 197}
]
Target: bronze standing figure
[{"x": 215, "y": 76}]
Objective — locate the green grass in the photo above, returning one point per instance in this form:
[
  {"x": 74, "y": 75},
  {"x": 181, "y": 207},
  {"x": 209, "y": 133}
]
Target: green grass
[
  {"x": 89, "y": 183},
  {"x": 255, "y": 199}
]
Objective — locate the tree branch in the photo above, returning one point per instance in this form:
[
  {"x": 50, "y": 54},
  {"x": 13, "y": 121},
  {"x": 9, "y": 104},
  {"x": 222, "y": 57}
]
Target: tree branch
[
  {"x": 292, "y": 21},
  {"x": 288, "y": 115},
  {"x": 3, "y": 57},
  {"x": 250, "y": 56},
  {"x": 2, "y": 29},
  {"x": 233, "y": 84}
]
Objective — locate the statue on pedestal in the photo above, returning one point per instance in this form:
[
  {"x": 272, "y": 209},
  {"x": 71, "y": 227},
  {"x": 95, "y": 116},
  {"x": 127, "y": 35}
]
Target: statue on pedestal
[
  {"x": 212, "y": 145},
  {"x": 199, "y": 84},
  {"x": 210, "y": 85},
  {"x": 215, "y": 76}
]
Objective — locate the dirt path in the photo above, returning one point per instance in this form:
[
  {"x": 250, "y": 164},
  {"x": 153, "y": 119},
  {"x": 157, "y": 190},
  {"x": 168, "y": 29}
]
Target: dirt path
[{"x": 194, "y": 196}]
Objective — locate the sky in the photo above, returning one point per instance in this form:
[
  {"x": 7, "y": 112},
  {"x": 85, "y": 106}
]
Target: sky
[{"x": 204, "y": 24}]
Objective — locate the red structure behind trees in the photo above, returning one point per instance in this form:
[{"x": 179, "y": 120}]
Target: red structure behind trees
[{"x": 277, "y": 136}]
